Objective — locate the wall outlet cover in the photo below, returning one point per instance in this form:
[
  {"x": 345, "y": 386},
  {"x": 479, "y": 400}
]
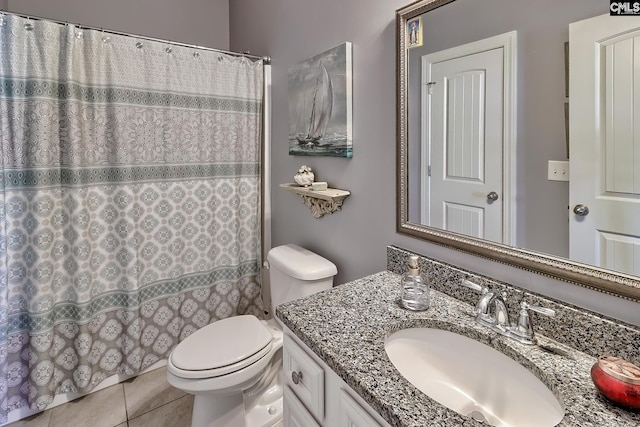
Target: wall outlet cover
[{"x": 558, "y": 170}]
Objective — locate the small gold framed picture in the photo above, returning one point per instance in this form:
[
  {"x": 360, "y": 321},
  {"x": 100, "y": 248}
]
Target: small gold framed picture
[{"x": 414, "y": 32}]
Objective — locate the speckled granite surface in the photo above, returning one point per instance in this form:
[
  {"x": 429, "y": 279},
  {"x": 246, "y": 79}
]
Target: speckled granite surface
[
  {"x": 583, "y": 330},
  {"x": 346, "y": 327}
]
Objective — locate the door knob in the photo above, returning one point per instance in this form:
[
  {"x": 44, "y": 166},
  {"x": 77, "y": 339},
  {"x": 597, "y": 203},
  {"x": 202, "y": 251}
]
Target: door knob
[
  {"x": 581, "y": 210},
  {"x": 493, "y": 196}
]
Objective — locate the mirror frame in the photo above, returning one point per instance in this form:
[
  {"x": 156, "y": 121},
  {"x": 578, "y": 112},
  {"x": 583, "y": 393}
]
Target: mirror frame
[{"x": 595, "y": 278}]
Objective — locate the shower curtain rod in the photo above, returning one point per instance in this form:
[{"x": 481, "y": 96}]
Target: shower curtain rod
[{"x": 266, "y": 59}]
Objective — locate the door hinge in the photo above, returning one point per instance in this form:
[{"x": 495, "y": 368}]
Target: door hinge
[
  {"x": 430, "y": 87},
  {"x": 429, "y": 170}
]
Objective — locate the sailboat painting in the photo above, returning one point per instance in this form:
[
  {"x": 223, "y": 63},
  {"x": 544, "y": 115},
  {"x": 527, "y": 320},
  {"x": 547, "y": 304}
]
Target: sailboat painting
[{"x": 320, "y": 105}]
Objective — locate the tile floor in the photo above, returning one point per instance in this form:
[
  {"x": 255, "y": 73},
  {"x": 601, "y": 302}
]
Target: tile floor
[{"x": 144, "y": 401}]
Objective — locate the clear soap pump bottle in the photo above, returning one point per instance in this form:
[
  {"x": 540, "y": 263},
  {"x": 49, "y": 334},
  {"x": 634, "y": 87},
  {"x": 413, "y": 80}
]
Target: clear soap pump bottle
[{"x": 415, "y": 290}]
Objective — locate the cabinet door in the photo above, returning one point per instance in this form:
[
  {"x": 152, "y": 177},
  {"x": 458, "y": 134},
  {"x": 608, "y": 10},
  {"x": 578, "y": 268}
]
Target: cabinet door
[
  {"x": 352, "y": 414},
  {"x": 305, "y": 377},
  {"x": 295, "y": 414}
]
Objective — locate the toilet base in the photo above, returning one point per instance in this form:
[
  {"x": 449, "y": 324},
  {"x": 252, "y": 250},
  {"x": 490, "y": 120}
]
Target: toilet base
[
  {"x": 217, "y": 411},
  {"x": 211, "y": 410},
  {"x": 265, "y": 415},
  {"x": 263, "y": 404}
]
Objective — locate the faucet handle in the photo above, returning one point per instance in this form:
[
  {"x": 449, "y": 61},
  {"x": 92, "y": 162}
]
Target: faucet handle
[
  {"x": 542, "y": 310},
  {"x": 523, "y": 331},
  {"x": 472, "y": 285}
]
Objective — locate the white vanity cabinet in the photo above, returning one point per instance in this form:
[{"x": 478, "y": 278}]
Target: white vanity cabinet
[{"x": 314, "y": 395}]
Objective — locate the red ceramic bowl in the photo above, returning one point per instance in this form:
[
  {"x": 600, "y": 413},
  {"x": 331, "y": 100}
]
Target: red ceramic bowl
[{"x": 618, "y": 380}]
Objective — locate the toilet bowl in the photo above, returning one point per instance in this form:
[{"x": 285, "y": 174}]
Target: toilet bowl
[
  {"x": 233, "y": 366},
  {"x": 244, "y": 350}
]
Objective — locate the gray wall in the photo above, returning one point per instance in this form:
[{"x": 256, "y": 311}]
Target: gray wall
[
  {"x": 290, "y": 31},
  {"x": 356, "y": 238},
  {"x": 200, "y": 22}
]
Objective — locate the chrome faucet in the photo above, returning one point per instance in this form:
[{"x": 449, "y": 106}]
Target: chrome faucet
[
  {"x": 500, "y": 312},
  {"x": 523, "y": 331},
  {"x": 491, "y": 311},
  {"x": 483, "y": 306}
]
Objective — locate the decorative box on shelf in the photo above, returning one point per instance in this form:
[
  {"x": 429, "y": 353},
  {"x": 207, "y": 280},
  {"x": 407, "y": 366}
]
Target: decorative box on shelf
[{"x": 319, "y": 202}]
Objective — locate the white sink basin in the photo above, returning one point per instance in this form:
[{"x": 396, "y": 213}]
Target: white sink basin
[{"x": 472, "y": 378}]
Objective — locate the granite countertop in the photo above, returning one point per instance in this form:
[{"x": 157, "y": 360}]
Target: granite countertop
[{"x": 346, "y": 327}]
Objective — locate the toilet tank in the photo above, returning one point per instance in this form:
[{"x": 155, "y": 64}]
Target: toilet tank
[{"x": 295, "y": 272}]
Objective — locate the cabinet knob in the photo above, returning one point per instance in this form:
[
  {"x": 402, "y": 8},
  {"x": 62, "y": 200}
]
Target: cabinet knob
[{"x": 296, "y": 377}]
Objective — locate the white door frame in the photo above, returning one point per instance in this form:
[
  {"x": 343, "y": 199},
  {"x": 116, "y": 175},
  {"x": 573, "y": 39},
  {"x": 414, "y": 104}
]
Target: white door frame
[{"x": 508, "y": 42}]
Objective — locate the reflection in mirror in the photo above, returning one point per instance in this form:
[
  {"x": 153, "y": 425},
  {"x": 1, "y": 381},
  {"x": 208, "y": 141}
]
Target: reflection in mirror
[
  {"x": 483, "y": 139},
  {"x": 467, "y": 138}
]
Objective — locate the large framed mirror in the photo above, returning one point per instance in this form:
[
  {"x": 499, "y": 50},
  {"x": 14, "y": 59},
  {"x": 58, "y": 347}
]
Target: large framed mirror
[{"x": 487, "y": 89}]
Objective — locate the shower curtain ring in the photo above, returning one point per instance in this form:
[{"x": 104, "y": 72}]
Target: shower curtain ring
[
  {"x": 78, "y": 33},
  {"x": 28, "y": 26},
  {"x": 105, "y": 38}
]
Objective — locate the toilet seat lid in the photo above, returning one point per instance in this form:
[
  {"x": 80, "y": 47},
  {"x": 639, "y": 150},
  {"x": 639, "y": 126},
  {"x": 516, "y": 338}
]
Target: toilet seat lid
[{"x": 222, "y": 343}]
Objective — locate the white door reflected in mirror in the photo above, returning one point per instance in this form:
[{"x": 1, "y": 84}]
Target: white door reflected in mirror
[
  {"x": 604, "y": 143},
  {"x": 466, "y": 99}
]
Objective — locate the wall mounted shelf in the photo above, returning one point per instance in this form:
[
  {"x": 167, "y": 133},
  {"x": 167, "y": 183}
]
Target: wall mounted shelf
[{"x": 319, "y": 202}]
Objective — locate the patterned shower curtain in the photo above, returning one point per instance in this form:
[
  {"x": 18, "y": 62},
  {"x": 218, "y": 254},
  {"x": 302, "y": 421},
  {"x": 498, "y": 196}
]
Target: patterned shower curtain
[{"x": 129, "y": 202}]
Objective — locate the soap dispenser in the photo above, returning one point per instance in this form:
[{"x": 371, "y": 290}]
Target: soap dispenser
[{"x": 415, "y": 291}]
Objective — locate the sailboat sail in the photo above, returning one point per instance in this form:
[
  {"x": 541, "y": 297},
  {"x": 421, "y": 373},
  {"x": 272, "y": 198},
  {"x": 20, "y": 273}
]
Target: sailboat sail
[{"x": 321, "y": 107}]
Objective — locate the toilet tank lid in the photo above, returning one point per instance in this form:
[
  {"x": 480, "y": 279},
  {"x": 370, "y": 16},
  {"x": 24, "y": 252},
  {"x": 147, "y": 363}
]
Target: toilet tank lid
[{"x": 300, "y": 263}]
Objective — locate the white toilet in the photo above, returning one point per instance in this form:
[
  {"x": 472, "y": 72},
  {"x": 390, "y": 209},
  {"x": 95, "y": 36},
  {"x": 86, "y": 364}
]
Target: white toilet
[{"x": 234, "y": 366}]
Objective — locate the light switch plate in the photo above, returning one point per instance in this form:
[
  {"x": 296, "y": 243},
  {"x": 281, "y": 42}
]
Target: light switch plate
[{"x": 558, "y": 170}]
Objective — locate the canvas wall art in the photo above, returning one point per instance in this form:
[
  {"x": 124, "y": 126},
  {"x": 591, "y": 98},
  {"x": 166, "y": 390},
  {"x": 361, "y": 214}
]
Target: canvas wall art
[{"x": 320, "y": 105}]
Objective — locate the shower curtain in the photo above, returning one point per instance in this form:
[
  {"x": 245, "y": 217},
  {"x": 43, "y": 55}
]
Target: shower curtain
[{"x": 129, "y": 202}]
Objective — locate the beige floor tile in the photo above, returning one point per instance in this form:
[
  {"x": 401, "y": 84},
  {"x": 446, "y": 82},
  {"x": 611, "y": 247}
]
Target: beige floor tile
[
  {"x": 123, "y": 425},
  {"x": 38, "y": 420},
  {"x": 174, "y": 414},
  {"x": 149, "y": 391},
  {"x": 104, "y": 408}
]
